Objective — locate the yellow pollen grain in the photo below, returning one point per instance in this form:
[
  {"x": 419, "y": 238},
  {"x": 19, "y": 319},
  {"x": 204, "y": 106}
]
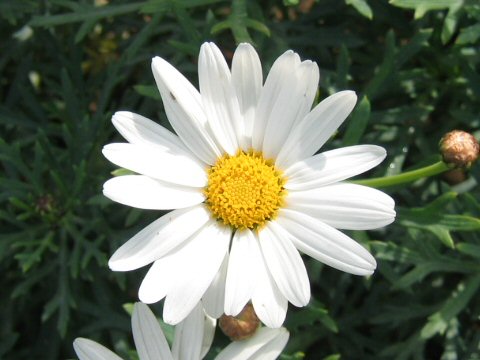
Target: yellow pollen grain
[{"x": 245, "y": 190}]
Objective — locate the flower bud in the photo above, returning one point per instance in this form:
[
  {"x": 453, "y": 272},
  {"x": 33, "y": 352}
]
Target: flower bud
[
  {"x": 45, "y": 204},
  {"x": 454, "y": 176},
  {"x": 459, "y": 149},
  {"x": 242, "y": 326}
]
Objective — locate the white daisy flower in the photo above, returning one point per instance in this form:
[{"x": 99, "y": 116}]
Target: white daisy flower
[
  {"x": 192, "y": 340},
  {"x": 247, "y": 189}
]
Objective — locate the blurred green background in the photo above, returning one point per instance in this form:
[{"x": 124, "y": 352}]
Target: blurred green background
[{"x": 66, "y": 66}]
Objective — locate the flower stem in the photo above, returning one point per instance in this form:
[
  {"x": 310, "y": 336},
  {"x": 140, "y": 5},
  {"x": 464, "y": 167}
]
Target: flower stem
[{"x": 405, "y": 177}]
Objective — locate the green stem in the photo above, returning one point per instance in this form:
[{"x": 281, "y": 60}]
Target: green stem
[{"x": 405, "y": 177}]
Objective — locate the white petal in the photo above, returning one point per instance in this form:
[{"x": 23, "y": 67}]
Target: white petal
[
  {"x": 159, "y": 238},
  {"x": 247, "y": 81},
  {"x": 188, "y": 340},
  {"x": 345, "y": 206},
  {"x": 326, "y": 244},
  {"x": 87, "y": 349},
  {"x": 148, "y": 336},
  {"x": 316, "y": 128},
  {"x": 271, "y": 350},
  {"x": 185, "y": 112},
  {"x": 332, "y": 166},
  {"x": 293, "y": 101},
  {"x": 137, "y": 129},
  {"x": 214, "y": 298},
  {"x": 242, "y": 271},
  {"x": 267, "y": 300},
  {"x": 146, "y": 193},
  {"x": 285, "y": 264},
  {"x": 208, "y": 335},
  {"x": 218, "y": 97},
  {"x": 176, "y": 168},
  {"x": 158, "y": 280},
  {"x": 197, "y": 264},
  {"x": 266, "y": 344},
  {"x": 279, "y": 77}
]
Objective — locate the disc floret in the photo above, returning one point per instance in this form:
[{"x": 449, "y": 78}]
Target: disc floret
[{"x": 244, "y": 190}]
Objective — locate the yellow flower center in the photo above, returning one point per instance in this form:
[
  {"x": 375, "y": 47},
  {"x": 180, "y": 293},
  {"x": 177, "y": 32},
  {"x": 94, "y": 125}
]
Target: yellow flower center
[{"x": 245, "y": 190}]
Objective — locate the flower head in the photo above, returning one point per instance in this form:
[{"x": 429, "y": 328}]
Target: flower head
[
  {"x": 192, "y": 340},
  {"x": 459, "y": 149},
  {"x": 248, "y": 191}
]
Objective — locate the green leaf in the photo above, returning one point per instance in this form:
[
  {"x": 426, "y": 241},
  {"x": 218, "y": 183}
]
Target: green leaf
[
  {"x": 417, "y": 43},
  {"x": 333, "y": 357},
  {"x": 458, "y": 300},
  {"x": 450, "y": 24},
  {"x": 122, "y": 171},
  {"x": 421, "y": 7},
  {"x": 315, "y": 311},
  {"x": 239, "y": 22},
  {"x": 393, "y": 252},
  {"x": 362, "y": 7},
  {"x": 433, "y": 218},
  {"x": 87, "y": 14},
  {"x": 472, "y": 250},
  {"x": 85, "y": 29},
  {"x": 441, "y": 264},
  {"x": 258, "y": 25},
  {"x": 385, "y": 70},
  {"x": 343, "y": 66},
  {"x": 357, "y": 123},
  {"x": 468, "y": 35},
  {"x": 187, "y": 23},
  {"x": 156, "y": 6},
  {"x": 150, "y": 91}
]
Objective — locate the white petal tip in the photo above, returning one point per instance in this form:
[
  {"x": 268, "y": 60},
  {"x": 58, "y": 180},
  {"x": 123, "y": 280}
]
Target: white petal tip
[
  {"x": 115, "y": 266},
  {"x": 146, "y": 297},
  {"x": 157, "y": 62},
  {"x": 244, "y": 45}
]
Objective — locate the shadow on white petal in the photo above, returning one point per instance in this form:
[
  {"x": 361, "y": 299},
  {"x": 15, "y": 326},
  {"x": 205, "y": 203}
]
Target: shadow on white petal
[
  {"x": 87, "y": 349},
  {"x": 143, "y": 192},
  {"x": 242, "y": 271},
  {"x": 159, "y": 238},
  {"x": 184, "y": 109},
  {"x": 189, "y": 334},
  {"x": 219, "y": 100},
  {"x": 266, "y": 344},
  {"x": 214, "y": 298},
  {"x": 285, "y": 264},
  {"x": 247, "y": 80},
  {"x": 310, "y": 133},
  {"x": 197, "y": 263},
  {"x": 345, "y": 206},
  {"x": 269, "y": 303},
  {"x": 326, "y": 244},
  {"x": 333, "y": 166},
  {"x": 148, "y": 336},
  {"x": 175, "y": 168},
  {"x": 137, "y": 129}
]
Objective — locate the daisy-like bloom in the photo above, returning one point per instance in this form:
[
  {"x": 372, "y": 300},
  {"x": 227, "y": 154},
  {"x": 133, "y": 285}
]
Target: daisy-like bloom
[
  {"x": 247, "y": 189},
  {"x": 192, "y": 340}
]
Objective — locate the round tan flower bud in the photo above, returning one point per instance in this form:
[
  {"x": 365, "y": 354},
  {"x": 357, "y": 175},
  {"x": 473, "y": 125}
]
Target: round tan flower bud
[
  {"x": 242, "y": 326},
  {"x": 459, "y": 148}
]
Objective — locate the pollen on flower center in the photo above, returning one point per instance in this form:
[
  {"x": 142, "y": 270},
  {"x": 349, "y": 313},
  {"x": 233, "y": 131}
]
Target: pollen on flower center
[{"x": 245, "y": 190}]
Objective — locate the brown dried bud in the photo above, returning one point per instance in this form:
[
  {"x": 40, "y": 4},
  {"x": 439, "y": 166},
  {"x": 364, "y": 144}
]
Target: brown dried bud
[
  {"x": 242, "y": 326},
  {"x": 45, "y": 204},
  {"x": 454, "y": 176},
  {"x": 459, "y": 148}
]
